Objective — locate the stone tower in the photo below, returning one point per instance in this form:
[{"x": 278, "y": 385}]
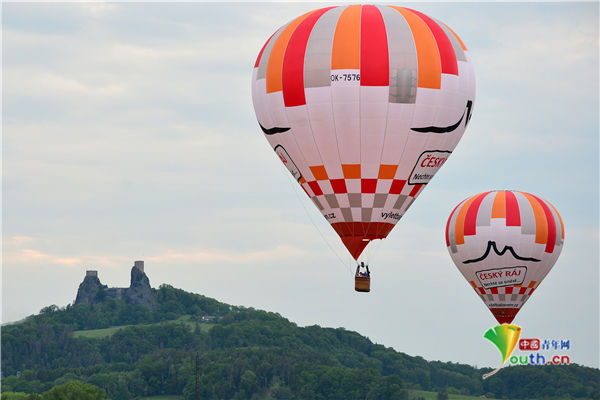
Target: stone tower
[
  {"x": 89, "y": 288},
  {"x": 139, "y": 265},
  {"x": 92, "y": 291}
]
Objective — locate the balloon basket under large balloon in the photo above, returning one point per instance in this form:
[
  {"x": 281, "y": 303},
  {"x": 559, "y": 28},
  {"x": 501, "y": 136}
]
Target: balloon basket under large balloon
[{"x": 362, "y": 284}]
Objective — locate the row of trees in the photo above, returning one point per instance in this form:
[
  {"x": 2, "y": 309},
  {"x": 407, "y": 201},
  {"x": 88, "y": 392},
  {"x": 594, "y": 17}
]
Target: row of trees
[
  {"x": 247, "y": 354},
  {"x": 73, "y": 390}
]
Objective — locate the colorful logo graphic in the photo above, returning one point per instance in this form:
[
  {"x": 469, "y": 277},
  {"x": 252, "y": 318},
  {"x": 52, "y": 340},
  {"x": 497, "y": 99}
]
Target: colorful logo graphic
[{"x": 505, "y": 337}]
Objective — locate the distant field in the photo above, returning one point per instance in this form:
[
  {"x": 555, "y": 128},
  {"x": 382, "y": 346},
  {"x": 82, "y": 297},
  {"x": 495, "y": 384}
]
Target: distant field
[
  {"x": 98, "y": 333},
  {"x": 412, "y": 394},
  {"x": 107, "y": 332},
  {"x": 418, "y": 394},
  {"x": 422, "y": 394}
]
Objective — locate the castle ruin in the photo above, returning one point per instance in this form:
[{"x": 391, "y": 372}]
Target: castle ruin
[{"x": 139, "y": 292}]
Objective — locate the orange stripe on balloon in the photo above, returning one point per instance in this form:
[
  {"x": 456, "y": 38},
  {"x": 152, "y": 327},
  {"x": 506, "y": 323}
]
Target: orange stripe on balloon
[
  {"x": 387, "y": 171},
  {"x": 459, "y": 225},
  {"x": 351, "y": 171},
  {"x": 499, "y": 206},
  {"x": 447, "y": 54},
  {"x": 448, "y": 226},
  {"x": 428, "y": 56},
  {"x": 541, "y": 225},
  {"x": 275, "y": 65},
  {"x": 562, "y": 226},
  {"x": 345, "y": 53},
  {"x": 319, "y": 172},
  {"x": 455, "y": 35}
]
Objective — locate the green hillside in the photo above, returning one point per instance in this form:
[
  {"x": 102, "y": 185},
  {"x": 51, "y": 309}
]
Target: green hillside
[{"x": 241, "y": 353}]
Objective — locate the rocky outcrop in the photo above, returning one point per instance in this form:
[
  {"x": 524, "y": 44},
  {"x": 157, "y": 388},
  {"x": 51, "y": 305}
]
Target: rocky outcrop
[
  {"x": 139, "y": 291},
  {"x": 89, "y": 289},
  {"x": 92, "y": 291}
]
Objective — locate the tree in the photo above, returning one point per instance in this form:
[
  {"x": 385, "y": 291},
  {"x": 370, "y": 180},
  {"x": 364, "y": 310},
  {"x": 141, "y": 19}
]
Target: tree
[
  {"x": 74, "y": 390},
  {"x": 49, "y": 309},
  {"x": 245, "y": 353},
  {"x": 248, "y": 384},
  {"x": 20, "y": 396}
]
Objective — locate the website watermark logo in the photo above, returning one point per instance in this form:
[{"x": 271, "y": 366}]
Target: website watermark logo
[
  {"x": 537, "y": 352},
  {"x": 542, "y": 352},
  {"x": 505, "y": 337}
]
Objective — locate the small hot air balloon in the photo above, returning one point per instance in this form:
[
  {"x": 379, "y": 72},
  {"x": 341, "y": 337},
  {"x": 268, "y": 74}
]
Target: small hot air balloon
[
  {"x": 363, "y": 104},
  {"x": 504, "y": 243}
]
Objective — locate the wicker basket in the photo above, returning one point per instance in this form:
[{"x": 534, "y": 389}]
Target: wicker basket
[{"x": 362, "y": 284}]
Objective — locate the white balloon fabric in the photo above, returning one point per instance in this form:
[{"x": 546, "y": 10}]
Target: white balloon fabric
[
  {"x": 363, "y": 104},
  {"x": 504, "y": 243}
]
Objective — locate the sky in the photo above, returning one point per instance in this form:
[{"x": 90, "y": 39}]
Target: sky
[{"x": 128, "y": 133}]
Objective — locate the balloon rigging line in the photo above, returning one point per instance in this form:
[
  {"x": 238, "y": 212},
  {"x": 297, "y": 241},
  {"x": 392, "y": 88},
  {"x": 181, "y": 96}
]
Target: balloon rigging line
[
  {"x": 373, "y": 249},
  {"x": 317, "y": 228}
]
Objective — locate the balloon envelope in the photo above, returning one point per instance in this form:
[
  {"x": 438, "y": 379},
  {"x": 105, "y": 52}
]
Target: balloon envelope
[
  {"x": 504, "y": 243},
  {"x": 363, "y": 105}
]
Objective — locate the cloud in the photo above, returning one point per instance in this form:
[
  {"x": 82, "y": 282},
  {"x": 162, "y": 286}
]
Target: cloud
[
  {"x": 19, "y": 251},
  {"x": 99, "y": 9},
  {"x": 279, "y": 252},
  {"x": 32, "y": 256},
  {"x": 513, "y": 56},
  {"x": 38, "y": 83},
  {"x": 17, "y": 240}
]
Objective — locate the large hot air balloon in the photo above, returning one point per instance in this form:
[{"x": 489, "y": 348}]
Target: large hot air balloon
[
  {"x": 504, "y": 243},
  {"x": 363, "y": 105}
]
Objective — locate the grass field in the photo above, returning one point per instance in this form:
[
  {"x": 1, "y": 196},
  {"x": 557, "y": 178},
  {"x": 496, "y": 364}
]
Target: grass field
[
  {"x": 98, "y": 333},
  {"x": 421, "y": 394},
  {"x": 412, "y": 394},
  {"x": 107, "y": 332}
]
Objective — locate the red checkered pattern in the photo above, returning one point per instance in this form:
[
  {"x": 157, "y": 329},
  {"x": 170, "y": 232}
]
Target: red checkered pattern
[
  {"x": 518, "y": 292},
  {"x": 360, "y": 209},
  {"x": 355, "y": 199}
]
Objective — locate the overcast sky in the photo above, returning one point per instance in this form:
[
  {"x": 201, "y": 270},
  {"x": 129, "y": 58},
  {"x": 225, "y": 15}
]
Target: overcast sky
[{"x": 129, "y": 134}]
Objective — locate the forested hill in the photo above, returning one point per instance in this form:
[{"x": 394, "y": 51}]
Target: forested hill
[{"x": 232, "y": 352}]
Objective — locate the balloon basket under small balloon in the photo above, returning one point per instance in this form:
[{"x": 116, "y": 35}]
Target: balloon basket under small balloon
[{"x": 362, "y": 284}]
